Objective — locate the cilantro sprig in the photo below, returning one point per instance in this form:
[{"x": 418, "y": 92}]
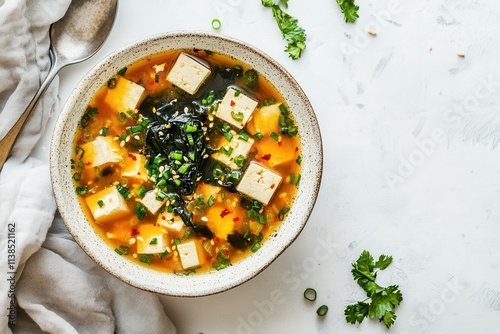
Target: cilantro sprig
[
  {"x": 293, "y": 34},
  {"x": 349, "y": 9},
  {"x": 380, "y": 301}
]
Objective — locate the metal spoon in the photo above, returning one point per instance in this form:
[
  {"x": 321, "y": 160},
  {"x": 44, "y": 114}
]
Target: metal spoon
[{"x": 74, "y": 38}]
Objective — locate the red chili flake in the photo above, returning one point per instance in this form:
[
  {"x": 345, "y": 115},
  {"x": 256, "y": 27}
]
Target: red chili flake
[
  {"x": 80, "y": 142},
  {"x": 134, "y": 232},
  {"x": 134, "y": 122},
  {"x": 163, "y": 217},
  {"x": 226, "y": 253},
  {"x": 131, "y": 156},
  {"x": 208, "y": 258},
  {"x": 235, "y": 219},
  {"x": 266, "y": 157},
  {"x": 296, "y": 149},
  {"x": 88, "y": 163},
  {"x": 232, "y": 103},
  {"x": 224, "y": 213},
  {"x": 279, "y": 143},
  {"x": 272, "y": 186},
  {"x": 216, "y": 239}
]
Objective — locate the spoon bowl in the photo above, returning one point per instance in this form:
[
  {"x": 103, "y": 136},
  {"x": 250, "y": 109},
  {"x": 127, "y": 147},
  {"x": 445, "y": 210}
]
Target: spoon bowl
[{"x": 74, "y": 38}]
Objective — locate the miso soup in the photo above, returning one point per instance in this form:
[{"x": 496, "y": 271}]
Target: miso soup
[{"x": 186, "y": 161}]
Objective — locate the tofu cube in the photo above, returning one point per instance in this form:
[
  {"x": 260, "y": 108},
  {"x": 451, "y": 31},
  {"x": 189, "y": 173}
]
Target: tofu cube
[
  {"x": 135, "y": 167},
  {"x": 171, "y": 221},
  {"x": 101, "y": 152},
  {"x": 151, "y": 203},
  {"x": 107, "y": 205},
  {"x": 188, "y": 73},
  {"x": 234, "y": 153},
  {"x": 236, "y": 108},
  {"x": 259, "y": 183},
  {"x": 151, "y": 239},
  {"x": 127, "y": 95},
  {"x": 188, "y": 254}
]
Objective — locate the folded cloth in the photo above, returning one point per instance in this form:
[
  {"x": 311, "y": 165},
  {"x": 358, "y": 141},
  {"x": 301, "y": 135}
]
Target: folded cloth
[{"x": 52, "y": 285}]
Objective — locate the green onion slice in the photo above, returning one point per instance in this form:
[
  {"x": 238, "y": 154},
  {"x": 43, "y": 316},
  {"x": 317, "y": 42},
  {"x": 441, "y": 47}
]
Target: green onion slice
[
  {"x": 322, "y": 310},
  {"x": 216, "y": 24},
  {"x": 310, "y": 294}
]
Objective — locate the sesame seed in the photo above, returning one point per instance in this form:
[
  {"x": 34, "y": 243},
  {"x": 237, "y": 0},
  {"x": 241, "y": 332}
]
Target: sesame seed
[
  {"x": 134, "y": 255},
  {"x": 161, "y": 169},
  {"x": 461, "y": 54},
  {"x": 186, "y": 110},
  {"x": 211, "y": 118},
  {"x": 131, "y": 241},
  {"x": 136, "y": 137},
  {"x": 205, "y": 156},
  {"x": 154, "y": 110},
  {"x": 204, "y": 219},
  {"x": 175, "y": 177},
  {"x": 122, "y": 143},
  {"x": 127, "y": 139},
  {"x": 185, "y": 158},
  {"x": 161, "y": 133},
  {"x": 372, "y": 32}
]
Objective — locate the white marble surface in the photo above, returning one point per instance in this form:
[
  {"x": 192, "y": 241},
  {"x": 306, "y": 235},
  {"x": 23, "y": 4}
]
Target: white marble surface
[{"x": 412, "y": 167}]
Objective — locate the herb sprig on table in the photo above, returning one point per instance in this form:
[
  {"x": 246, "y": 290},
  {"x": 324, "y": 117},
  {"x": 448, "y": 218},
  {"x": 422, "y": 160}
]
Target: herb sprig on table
[
  {"x": 293, "y": 34},
  {"x": 380, "y": 301},
  {"x": 349, "y": 9}
]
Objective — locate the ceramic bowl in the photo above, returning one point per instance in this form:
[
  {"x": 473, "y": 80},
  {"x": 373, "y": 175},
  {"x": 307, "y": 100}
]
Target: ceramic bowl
[{"x": 198, "y": 284}]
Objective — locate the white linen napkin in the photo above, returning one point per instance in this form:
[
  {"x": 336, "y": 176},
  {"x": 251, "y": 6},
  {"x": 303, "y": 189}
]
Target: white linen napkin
[{"x": 52, "y": 285}]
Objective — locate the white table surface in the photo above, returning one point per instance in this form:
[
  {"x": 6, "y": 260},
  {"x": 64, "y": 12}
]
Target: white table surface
[{"x": 412, "y": 167}]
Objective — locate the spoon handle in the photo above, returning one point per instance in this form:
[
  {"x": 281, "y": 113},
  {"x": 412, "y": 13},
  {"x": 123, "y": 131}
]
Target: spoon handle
[{"x": 8, "y": 141}]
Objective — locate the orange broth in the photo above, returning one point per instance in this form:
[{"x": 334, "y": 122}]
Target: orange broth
[{"x": 218, "y": 211}]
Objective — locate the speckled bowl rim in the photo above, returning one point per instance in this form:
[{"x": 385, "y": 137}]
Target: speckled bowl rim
[{"x": 199, "y": 284}]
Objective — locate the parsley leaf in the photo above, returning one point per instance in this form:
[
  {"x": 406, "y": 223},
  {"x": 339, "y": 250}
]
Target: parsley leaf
[
  {"x": 380, "y": 302},
  {"x": 293, "y": 34},
  {"x": 349, "y": 9},
  {"x": 356, "y": 312}
]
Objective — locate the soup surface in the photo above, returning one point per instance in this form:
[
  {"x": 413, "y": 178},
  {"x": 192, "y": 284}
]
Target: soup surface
[{"x": 186, "y": 161}]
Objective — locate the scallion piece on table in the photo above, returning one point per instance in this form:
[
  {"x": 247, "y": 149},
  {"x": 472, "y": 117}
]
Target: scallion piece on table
[
  {"x": 310, "y": 294},
  {"x": 322, "y": 310},
  {"x": 216, "y": 24}
]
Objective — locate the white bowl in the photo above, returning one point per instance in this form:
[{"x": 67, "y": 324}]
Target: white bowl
[{"x": 198, "y": 284}]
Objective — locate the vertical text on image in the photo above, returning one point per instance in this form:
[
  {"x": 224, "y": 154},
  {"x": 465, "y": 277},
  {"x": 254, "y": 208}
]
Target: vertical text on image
[{"x": 11, "y": 272}]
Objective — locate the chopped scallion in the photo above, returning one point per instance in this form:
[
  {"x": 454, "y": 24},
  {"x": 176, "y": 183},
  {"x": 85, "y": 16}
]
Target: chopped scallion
[
  {"x": 140, "y": 211},
  {"x": 210, "y": 201},
  {"x": 237, "y": 116},
  {"x": 310, "y": 294},
  {"x": 100, "y": 203},
  {"x": 145, "y": 258},
  {"x": 122, "y": 71},
  {"x": 154, "y": 241},
  {"x": 121, "y": 116},
  {"x": 216, "y": 24},
  {"x": 322, "y": 310},
  {"x": 77, "y": 176},
  {"x": 81, "y": 190},
  {"x": 112, "y": 83}
]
